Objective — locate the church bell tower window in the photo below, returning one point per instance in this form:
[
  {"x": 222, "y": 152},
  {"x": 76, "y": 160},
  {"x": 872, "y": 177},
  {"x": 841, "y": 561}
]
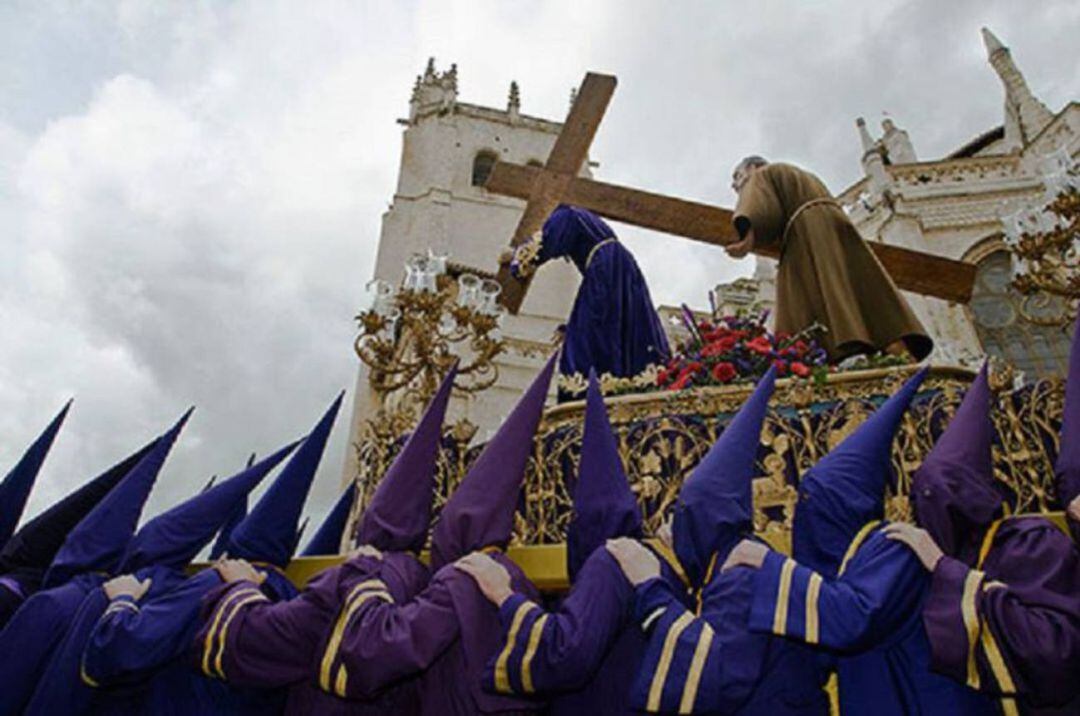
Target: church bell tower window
[{"x": 483, "y": 163}]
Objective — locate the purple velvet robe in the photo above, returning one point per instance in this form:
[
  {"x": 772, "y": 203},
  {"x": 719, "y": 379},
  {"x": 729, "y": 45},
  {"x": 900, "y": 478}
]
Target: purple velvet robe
[
  {"x": 276, "y": 645},
  {"x": 613, "y": 325},
  {"x": 583, "y": 655},
  {"x": 442, "y": 637},
  {"x": 1011, "y": 627},
  {"x": 870, "y": 615},
  {"x": 33, "y": 634}
]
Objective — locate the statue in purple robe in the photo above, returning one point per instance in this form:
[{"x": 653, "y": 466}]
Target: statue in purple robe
[
  {"x": 705, "y": 659},
  {"x": 613, "y": 327},
  {"x": 277, "y": 645},
  {"x": 27, "y": 555},
  {"x": 583, "y": 654},
  {"x": 91, "y": 551},
  {"x": 1003, "y": 611},
  {"x": 443, "y": 636},
  {"x": 850, "y": 591},
  {"x": 141, "y": 656}
]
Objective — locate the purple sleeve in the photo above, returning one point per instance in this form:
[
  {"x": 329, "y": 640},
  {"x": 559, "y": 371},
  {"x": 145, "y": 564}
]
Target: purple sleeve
[
  {"x": 216, "y": 647},
  {"x": 549, "y": 652},
  {"x": 875, "y": 595},
  {"x": 373, "y": 641}
]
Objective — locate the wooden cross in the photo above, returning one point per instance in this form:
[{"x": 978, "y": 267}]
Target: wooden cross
[{"x": 557, "y": 182}]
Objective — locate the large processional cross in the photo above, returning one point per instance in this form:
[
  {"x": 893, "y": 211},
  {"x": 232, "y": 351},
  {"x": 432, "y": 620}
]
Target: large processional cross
[{"x": 557, "y": 182}]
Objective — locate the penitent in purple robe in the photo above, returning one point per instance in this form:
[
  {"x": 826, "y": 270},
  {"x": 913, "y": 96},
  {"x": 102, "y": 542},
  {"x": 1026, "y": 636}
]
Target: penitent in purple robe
[
  {"x": 273, "y": 646},
  {"x": 582, "y": 655},
  {"x": 613, "y": 327},
  {"x": 850, "y": 590},
  {"x": 445, "y": 634},
  {"x": 707, "y": 660},
  {"x": 1003, "y": 614},
  {"x": 91, "y": 551}
]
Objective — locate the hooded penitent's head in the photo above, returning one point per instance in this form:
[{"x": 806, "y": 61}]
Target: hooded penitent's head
[
  {"x": 1067, "y": 467},
  {"x": 36, "y": 543},
  {"x": 480, "y": 513},
  {"x": 269, "y": 532},
  {"x": 846, "y": 489},
  {"x": 16, "y": 486},
  {"x": 173, "y": 538},
  {"x": 399, "y": 515},
  {"x": 715, "y": 506},
  {"x": 98, "y": 542},
  {"x": 953, "y": 492},
  {"x": 604, "y": 504}
]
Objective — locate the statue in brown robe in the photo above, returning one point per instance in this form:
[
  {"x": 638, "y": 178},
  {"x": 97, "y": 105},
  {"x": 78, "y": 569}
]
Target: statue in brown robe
[{"x": 827, "y": 274}]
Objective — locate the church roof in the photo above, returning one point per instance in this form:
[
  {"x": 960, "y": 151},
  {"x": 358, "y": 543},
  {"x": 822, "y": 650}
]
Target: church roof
[{"x": 979, "y": 143}]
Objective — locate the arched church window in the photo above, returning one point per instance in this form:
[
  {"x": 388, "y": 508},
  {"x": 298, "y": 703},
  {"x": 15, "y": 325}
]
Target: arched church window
[
  {"x": 1038, "y": 351},
  {"x": 482, "y": 165}
]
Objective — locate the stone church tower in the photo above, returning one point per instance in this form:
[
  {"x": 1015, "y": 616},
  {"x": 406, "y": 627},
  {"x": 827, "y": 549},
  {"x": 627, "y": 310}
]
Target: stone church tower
[{"x": 448, "y": 149}]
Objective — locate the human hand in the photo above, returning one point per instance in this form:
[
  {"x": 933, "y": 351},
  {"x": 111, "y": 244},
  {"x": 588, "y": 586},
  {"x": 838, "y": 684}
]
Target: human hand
[
  {"x": 490, "y": 576},
  {"x": 637, "y": 563},
  {"x": 739, "y": 249},
  {"x": 918, "y": 540},
  {"x": 746, "y": 553},
  {"x": 126, "y": 586},
  {"x": 366, "y": 550},
  {"x": 238, "y": 570},
  {"x": 1074, "y": 509}
]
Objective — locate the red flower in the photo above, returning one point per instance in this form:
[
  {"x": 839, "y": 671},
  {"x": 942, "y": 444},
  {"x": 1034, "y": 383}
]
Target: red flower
[
  {"x": 723, "y": 372},
  {"x": 662, "y": 377},
  {"x": 800, "y": 369},
  {"x": 781, "y": 367},
  {"x": 760, "y": 345}
]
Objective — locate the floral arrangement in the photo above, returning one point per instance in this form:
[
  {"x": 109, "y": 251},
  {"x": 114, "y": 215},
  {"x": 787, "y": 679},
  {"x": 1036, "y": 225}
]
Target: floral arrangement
[{"x": 737, "y": 349}]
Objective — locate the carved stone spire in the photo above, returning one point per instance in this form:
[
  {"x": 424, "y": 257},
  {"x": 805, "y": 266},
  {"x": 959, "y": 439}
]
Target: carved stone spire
[
  {"x": 1025, "y": 115},
  {"x": 433, "y": 91},
  {"x": 864, "y": 135},
  {"x": 513, "y": 103},
  {"x": 873, "y": 161}
]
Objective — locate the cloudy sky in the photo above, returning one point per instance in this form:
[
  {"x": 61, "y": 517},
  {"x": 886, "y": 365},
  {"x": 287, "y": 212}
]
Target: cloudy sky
[{"x": 190, "y": 193}]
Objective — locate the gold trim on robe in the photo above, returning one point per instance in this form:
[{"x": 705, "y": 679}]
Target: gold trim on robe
[
  {"x": 697, "y": 665},
  {"x": 502, "y": 677},
  {"x": 671, "y": 640},
  {"x": 530, "y": 652},
  {"x": 783, "y": 592},
  {"x": 215, "y": 623},
  {"x": 358, "y": 595},
  {"x": 813, "y": 592},
  {"x": 971, "y": 622}
]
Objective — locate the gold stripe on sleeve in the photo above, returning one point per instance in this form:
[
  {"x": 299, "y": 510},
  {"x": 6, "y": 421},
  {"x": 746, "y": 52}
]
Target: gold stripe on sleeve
[
  {"x": 530, "y": 651},
  {"x": 502, "y": 678},
  {"x": 782, "y": 593},
  {"x": 671, "y": 640},
  {"x": 256, "y": 597},
  {"x": 860, "y": 537},
  {"x": 85, "y": 676},
  {"x": 697, "y": 665},
  {"x": 219, "y": 610},
  {"x": 341, "y": 681},
  {"x": 813, "y": 592},
  {"x": 971, "y": 622},
  {"x": 997, "y": 661},
  {"x": 357, "y": 596}
]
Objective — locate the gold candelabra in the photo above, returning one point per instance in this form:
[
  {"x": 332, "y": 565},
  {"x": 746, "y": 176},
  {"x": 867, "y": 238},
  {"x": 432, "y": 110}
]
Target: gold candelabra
[{"x": 1043, "y": 239}]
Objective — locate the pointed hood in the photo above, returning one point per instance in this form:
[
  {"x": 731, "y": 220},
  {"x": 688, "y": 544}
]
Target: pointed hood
[
  {"x": 480, "y": 513},
  {"x": 399, "y": 515},
  {"x": 846, "y": 488},
  {"x": 953, "y": 492},
  {"x": 98, "y": 541},
  {"x": 15, "y": 489},
  {"x": 604, "y": 504},
  {"x": 36, "y": 543},
  {"x": 237, "y": 516},
  {"x": 715, "y": 507},
  {"x": 173, "y": 538},
  {"x": 269, "y": 532},
  {"x": 328, "y": 539},
  {"x": 1067, "y": 467}
]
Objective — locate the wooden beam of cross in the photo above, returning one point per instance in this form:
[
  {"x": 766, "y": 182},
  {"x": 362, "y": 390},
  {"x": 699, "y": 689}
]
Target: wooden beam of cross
[{"x": 558, "y": 182}]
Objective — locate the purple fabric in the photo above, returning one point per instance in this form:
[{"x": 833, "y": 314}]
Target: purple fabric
[
  {"x": 1033, "y": 613},
  {"x": 714, "y": 509},
  {"x": 480, "y": 513},
  {"x": 327, "y": 540},
  {"x": 17, "y": 484},
  {"x": 98, "y": 542},
  {"x": 604, "y": 505},
  {"x": 953, "y": 492},
  {"x": 613, "y": 326},
  {"x": 1067, "y": 467},
  {"x": 173, "y": 538},
  {"x": 269, "y": 532},
  {"x": 846, "y": 488},
  {"x": 399, "y": 515}
]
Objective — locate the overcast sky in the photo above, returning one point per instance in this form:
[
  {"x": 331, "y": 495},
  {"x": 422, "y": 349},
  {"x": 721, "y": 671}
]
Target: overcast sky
[{"x": 190, "y": 193}]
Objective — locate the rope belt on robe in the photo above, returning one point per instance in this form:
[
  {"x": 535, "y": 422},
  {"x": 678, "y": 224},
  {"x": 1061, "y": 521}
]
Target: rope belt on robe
[{"x": 822, "y": 201}]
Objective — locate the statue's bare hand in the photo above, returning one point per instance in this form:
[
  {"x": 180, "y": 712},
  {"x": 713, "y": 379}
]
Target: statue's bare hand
[{"x": 739, "y": 249}]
